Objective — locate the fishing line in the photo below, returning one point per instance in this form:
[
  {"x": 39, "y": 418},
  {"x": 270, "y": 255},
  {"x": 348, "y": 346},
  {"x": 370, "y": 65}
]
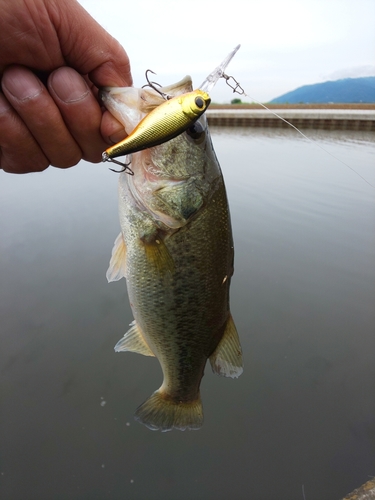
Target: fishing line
[{"x": 236, "y": 87}]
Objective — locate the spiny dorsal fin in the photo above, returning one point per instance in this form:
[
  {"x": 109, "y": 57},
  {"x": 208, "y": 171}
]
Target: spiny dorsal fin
[
  {"x": 134, "y": 341},
  {"x": 226, "y": 360},
  {"x": 117, "y": 264}
]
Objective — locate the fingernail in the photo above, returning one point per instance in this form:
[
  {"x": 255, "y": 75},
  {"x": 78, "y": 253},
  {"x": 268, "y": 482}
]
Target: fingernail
[
  {"x": 23, "y": 85},
  {"x": 68, "y": 85}
]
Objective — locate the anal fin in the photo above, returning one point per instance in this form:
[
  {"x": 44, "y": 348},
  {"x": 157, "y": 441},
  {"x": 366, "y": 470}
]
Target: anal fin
[
  {"x": 226, "y": 360},
  {"x": 117, "y": 264},
  {"x": 134, "y": 341}
]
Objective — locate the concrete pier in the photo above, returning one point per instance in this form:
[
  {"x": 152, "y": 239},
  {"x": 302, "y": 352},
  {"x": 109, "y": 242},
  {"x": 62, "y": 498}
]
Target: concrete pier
[{"x": 336, "y": 119}]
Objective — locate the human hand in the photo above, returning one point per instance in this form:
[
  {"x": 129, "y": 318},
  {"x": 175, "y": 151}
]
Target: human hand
[{"x": 60, "y": 122}]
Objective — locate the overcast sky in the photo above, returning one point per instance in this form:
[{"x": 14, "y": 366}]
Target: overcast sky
[{"x": 284, "y": 43}]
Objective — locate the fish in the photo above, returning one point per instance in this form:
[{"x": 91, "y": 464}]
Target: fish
[{"x": 175, "y": 250}]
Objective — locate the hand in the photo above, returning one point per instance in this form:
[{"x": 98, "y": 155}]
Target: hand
[{"x": 53, "y": 58}]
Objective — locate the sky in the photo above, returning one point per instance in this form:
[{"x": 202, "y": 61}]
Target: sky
[{"x": 284, "y": 44}]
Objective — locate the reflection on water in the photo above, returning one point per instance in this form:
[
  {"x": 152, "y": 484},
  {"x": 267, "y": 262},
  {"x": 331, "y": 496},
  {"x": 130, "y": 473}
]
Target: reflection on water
[{"x": 302, "y": 296}]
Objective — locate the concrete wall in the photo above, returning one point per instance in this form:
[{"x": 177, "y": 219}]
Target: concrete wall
[{"x": 302, "y": 118}]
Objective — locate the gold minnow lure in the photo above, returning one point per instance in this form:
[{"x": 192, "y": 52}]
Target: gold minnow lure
[{"x": 163, "y": 123}]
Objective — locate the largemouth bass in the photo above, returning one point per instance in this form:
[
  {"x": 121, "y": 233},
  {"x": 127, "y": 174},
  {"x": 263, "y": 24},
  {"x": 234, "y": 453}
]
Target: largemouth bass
[{"x": 175, "y": 250}]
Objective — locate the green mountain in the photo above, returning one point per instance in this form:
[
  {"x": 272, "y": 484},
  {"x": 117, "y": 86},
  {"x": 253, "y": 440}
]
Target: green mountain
[{"x": 348, "y": 90}]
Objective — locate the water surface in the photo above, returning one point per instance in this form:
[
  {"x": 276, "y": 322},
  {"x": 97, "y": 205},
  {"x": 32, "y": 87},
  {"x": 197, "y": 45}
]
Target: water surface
[{"x": 301, "y": 417}]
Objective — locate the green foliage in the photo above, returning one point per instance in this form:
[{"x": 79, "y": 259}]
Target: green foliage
[{"x": 236, "y": 101}]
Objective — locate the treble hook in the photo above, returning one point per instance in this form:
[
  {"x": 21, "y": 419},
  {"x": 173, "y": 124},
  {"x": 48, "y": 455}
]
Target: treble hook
[
  {"x": 125, "y": 166},
  {"x": 152, "y": 85}
]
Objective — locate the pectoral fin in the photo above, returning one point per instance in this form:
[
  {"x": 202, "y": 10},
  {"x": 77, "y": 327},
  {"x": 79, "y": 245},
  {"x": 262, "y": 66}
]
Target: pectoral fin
[
  {"x": 157, "y": 253},
  {"x": 117, "y": 264},
  {"x": 226, "y": 360},
  {"x": 134, "y": 341}
]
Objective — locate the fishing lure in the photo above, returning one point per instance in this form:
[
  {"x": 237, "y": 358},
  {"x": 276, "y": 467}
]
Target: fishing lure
[
  {"x": 169, "y": 119},
  {"x": 163, "y": 123}
]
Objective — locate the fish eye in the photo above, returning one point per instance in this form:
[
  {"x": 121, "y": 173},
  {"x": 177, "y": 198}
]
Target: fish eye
[
  {"x": 196, "y": 131},
  {"x": 199, "y": 102}
]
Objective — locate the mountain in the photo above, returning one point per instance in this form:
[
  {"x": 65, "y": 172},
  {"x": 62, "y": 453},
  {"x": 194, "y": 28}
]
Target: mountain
[{"x": 348, "y": 90}]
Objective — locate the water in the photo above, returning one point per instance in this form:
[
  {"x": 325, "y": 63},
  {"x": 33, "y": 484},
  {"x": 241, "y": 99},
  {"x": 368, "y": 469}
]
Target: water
[{"x": 302, "y": 416}]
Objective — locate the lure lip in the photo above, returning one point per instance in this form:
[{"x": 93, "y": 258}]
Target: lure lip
[{"x": 210, "y": 81}]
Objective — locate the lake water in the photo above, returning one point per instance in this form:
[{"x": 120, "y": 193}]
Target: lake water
[{"x": 299, "y": 421}]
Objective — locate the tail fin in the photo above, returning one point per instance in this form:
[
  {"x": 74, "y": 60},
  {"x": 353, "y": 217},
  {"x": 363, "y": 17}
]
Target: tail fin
[{"x": 161, "y": 413}]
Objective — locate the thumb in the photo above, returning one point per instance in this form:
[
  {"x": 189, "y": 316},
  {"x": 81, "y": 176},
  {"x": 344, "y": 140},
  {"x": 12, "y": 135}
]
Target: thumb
[{"x": 87, "y": 47}]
